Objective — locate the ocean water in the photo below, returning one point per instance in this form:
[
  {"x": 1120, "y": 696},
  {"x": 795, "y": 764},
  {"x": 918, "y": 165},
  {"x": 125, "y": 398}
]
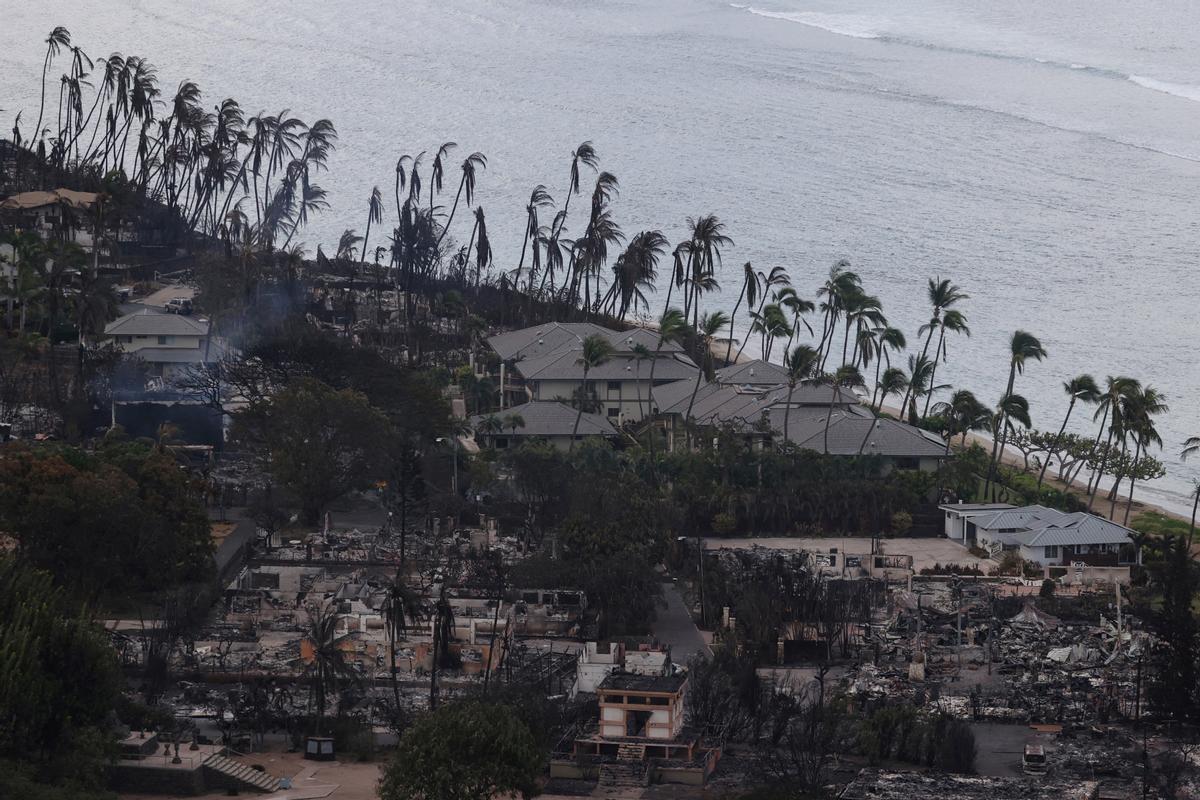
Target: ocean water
[{"x": 1043, "y": 155}]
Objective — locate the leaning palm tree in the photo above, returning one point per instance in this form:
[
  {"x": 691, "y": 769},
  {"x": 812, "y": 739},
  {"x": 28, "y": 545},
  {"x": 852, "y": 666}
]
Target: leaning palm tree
[
  {"x": 1011, "y": 408},
  {"x": 59, "y": 38},
  {"x": 438, "y": 172},
  {"x": 1190, "y": 448},
  {"x": 777, "y": 277},
  {"x": 1023, "y": 347},
  {"x": 704, "y": 256},
  {"x": 1144, "y": 407},
  {"x": 886, "y": 338},
  {"x": 749, "y": 292},
  {"x": 596, "y": 350},
  {"x": 1109, "y": 410},
  {"x": 584, "y": 154},
  {"x": 956, "y": 322},
  {"x": 942, "y": 295},
  {"x": 801, "y": 363},
  {"x": 328, "y": 669},
  {"x": 963, "y": 413},
  {"x": 1082, "y": 387},
  {"x": 470, "y": 165},
  {"x": 374, "y": 214}
]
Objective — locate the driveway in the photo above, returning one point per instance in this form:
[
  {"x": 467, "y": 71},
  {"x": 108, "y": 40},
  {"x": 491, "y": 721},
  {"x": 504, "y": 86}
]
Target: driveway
[{"x": 674, "y": 627}]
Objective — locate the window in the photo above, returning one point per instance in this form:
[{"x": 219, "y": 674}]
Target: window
[
  {"x": 500, "y": 442},
  {"x": 1051, "y": 551},
  {"x": 164, "y": 339},
  {"x": 614, "y": 386},
  {"x": 614, "y": 413}
]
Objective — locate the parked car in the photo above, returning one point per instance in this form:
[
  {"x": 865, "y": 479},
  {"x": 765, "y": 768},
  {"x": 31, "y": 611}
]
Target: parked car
[
  {"x": 179, "y": 305},
  {"x": 1033, "y": 762}
]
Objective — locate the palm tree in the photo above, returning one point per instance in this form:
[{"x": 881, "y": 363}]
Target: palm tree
[
  {"x": 584, "y": 154},
  {"x": 672, "y": 328},
  {"x": 1012, "y": 407},
  {"x": 750, "y": 289},
  {"x": 538, "y": 198},
  {"x": 704, "y": 256},
  {"x": 789, "y": 300},
  {"x": 438, "y": 173},
  {"x": 801, "y": 364},
  {"x": 490, "y": 426},
  {"x": 1082, "y": 387},
  {"x": 1109, "y": 411},
  {"x": 1143, "y": 407},
  {"x": 596, "y": 350},
  {"x": 886, "y": 338},
  {"x": 839, "y": 287},
  {"x": 512, "y": 422},
  {"x": 402, "y": 607},
  {"x": 328, "y": 670},
  {"x": 374, "y": 214},
  {"x": 776, "y": 277},
  {"x": 1023, "y": 347},
  {"x": 711, "y": 324},
  {"x": 893, "y": 381},
  {"x": 963, "y": 413},
  {"x": 956, "y": 322},
  {"x": 470, "y": 165},
  {"x": 59, "y": 38},
  {"x": 637, "y": 269},
  {"x": 1190, "y": 448},
  {"x": 942, "y": 295}
]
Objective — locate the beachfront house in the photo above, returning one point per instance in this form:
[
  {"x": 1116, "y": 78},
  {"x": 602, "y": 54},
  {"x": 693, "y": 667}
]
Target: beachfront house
[
  {"x": 753, "y": 397},
  {"x": 541, "y": 364},
  {"x": 549, "y": 420},
  {"x": 1041, "y": 535}
]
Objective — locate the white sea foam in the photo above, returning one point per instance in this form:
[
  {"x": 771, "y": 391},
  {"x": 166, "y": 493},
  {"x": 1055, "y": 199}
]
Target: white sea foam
[
  {"x": 1177, "y": 89},
  {"x": 853, "y": 25}
]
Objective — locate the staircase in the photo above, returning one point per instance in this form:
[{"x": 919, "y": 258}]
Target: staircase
[
  {"x": 229, "y": 774},
  {"x": 630, "y": 752},
  {"x": 622, "y": 775}
]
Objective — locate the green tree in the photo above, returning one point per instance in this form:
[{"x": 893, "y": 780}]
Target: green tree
[
  {"x": 321, "y": 443},
  {"x": 328, "y": 670},
  {"x": 468, "y": 750},
  {"x": 60, "y": 678}
]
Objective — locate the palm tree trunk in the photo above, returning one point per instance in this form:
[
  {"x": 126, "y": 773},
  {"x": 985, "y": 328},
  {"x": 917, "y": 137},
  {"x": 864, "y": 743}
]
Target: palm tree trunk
[
  {"x": 924, "y": 352},
  {"x": 1095, "y": 487},
  {"x": 1137, "y": 452},
  {"x": 875, "y": 392},
  {"x": 732, "y": 316},
  {"x": 579, "y": 413},
  {"x": 1057, "y": 442},
  {"x": 787, "y": 410},
  {"x": 1192, "y": 525},
  {"x": 1092, "y": 455},
  {"x": 446, "y": 228},
  {"x": 937, "y": 354},
  {"x": 998, "y": 436}
]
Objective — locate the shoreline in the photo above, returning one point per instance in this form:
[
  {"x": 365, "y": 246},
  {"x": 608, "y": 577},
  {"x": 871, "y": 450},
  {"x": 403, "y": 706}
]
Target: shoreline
[{"x": 1015, "y": 460}]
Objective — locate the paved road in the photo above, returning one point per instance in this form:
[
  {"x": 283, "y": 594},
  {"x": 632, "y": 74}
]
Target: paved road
[{"x": 674, "y": 626}]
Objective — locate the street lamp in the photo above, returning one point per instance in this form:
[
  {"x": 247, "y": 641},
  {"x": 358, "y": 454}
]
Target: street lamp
[{"x": 454, "y": 475}]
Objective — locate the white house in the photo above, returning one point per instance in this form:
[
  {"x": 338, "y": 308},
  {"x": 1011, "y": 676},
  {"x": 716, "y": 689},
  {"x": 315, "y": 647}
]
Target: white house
[
  {"x": 167, "y": 343},
  {"x": 1041, "y": 535}
]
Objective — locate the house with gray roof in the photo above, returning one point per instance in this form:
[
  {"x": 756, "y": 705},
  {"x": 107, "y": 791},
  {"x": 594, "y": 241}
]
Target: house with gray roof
[
  {"x": 540, "y": 419},
  {"x": 1042, "y": 535},
  {"x": 822, "y": 418},
  {"x": 167, "y": 343},
  {"x": 541, "y": 363}
]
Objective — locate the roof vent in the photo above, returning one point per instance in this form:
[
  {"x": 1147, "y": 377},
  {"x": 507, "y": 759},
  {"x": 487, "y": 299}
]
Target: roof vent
[
  {"x": 752, "y": 370},
  {"x": 541, "y": 341}
]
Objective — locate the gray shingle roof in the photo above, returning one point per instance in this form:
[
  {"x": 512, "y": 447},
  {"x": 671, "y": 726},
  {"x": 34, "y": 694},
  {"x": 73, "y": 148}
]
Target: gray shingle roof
[
  {"x": 752, "y": 373},
  {"x": 562, "y": 365},
  {"x": 540, "y": 341},
  {"x": 152, "y": 323},
  {"x": 1038, "y": 526},
  {"x": 850, "y": 434},
  {"x": 550, "y": 418}
]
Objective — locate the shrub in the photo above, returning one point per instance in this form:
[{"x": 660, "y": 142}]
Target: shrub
[
  {"x": 724, "y": 524},
  {"x": 902, "y": 523},
  {"x": 1047, "y": 590}
]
